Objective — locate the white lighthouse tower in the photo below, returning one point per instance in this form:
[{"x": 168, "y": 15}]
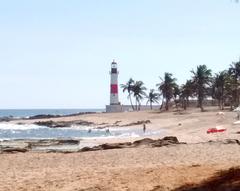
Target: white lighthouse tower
[
  {"x": 114, "y": 84},
  {"x": 115, "y": 105}
]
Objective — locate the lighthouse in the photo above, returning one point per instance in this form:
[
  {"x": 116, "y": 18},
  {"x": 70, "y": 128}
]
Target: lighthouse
[
  {"x": 114, "y": 84},
  {"x": 115, "y": 105}
]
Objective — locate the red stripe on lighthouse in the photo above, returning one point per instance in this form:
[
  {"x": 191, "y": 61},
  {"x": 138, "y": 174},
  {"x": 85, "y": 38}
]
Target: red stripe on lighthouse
[{"x": 114, "y": 88}]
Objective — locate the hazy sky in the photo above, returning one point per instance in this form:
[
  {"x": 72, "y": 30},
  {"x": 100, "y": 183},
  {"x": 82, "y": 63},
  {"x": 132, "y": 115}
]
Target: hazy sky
[{"x": 57, "y": 53}]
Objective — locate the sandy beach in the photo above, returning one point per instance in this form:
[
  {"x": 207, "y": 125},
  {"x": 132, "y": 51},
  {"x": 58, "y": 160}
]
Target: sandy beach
[{"x": 143, "y": 168}]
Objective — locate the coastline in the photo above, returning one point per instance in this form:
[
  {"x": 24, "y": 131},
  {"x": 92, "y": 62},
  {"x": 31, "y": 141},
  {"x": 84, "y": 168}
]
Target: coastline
[{"x": 126, "y": 167}]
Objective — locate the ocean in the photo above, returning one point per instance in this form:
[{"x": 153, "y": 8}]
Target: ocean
[
  {"x": 32, "y": 112},
  {"x": 12, "y": 131}
]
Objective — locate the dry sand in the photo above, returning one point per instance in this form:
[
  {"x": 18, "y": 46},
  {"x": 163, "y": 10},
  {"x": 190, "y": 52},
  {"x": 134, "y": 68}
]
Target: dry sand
[
  {"x": 164, "y": 168},
  {"x": 127, "y": 169}
]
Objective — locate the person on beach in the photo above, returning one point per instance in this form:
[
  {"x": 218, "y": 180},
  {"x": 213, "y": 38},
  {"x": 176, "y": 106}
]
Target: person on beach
[
  {"x": 107, "y": 131},
  {"x": 144, "y": 127}
]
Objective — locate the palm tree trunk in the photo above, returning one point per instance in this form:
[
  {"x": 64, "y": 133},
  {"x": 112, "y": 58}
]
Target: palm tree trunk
[
  {"x": 162, "y": 104},
  {"x": 201, "y": 104},
  {"x": 166, "y": 106},
  {"x": 151, "y": 105},
  {"x": 184, "y": 104},
  {"x": 136, "y": 107},
  {"x": 219, "y": 103},
  {"x": 131, "y": 101}
]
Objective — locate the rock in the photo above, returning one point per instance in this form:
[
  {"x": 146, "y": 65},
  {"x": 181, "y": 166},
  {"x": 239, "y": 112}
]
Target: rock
[
  {"x": 115, "y": 146},
  {"x": 231, "y": 141},
  {"x": 48, "y": 116},
  {"x": 49, "y": 145},
  {"x": 171, "y": 139},
  {"x": 14, "y": 150},
  {"x": 60, "y": 124},
  {"x": 43, "y": 116},
  {"x": 6, "y": 119},
  {"x": 68, "y": 142},
  {"x": 137, "y": 123},
  {"x": 145, "y": 141},
  {"x": 84, "y": 149}
]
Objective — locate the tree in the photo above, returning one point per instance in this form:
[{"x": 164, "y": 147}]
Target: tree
[
  {"x": 230, "y": 89},
  {"x": 152, "y": 97},
  {"x": 219, "y": 84},
  {"x": 138, "y": 90},
  {"x": 201, "y": 82},
  {"x": 186, "y": 91},
  {"x": 234, "y": 71},
  {"x": 129, "y": 88},
  {"x": 166, "y": 87}
]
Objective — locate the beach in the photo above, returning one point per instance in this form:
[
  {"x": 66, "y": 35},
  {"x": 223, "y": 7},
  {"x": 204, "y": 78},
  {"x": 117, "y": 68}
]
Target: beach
[{"x": 198, "y": 158}]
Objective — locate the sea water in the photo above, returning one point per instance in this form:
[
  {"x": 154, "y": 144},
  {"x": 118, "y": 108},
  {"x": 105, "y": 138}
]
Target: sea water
[
  {"x": 11, "y": 131},
  {"x": 32, "y": 112}
]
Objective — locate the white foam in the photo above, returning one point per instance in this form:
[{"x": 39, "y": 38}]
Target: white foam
[{"x": 9, "y": 126}]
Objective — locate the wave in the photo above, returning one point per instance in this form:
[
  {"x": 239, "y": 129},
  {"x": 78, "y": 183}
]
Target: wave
[{"x": 8, "y": 126}]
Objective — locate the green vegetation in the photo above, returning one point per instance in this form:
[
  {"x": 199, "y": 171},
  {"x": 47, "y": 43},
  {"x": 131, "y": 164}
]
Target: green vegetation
[{"x": 224, "y": 87}]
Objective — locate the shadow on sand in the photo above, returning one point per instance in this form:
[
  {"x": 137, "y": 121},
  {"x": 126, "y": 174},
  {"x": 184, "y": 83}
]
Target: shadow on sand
[{"x": 227, "y": 180}]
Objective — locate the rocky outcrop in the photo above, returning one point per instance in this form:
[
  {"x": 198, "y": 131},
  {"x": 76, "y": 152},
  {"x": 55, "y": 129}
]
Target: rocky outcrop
[
  {"x": 71, "y": 145},
  {"x": 7, "y": 119},
  {"x": 13, "y": 150},
  {"x": 48, "y": 116},
  {"x": 137, "y": 123},
  {"x": 61, "y": 124},
  {"x": 43, "y": 116},
  {"x": 143, "y": 142},
  {"x": 13, "y": 146}
]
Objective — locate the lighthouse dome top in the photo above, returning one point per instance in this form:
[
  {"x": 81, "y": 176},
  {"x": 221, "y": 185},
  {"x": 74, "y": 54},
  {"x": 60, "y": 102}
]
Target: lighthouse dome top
[{"x": 114, "y": 64}]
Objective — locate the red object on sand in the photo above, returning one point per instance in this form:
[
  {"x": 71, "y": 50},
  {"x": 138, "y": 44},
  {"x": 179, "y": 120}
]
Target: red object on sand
[{"x": 215, "y": 130}]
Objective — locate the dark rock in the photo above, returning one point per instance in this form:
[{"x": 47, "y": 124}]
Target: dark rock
[
  {"x": 48, "y": 116},
  {"x": 114, "y": 146},
  {"x": 43, "y": 116},
  {"x": 84, "y": 149},
  {"x": 60, "y": 124},
  {"x": 84, "y": 123},
  {"x": 137, "y": 123},
  {"x": 14, "y": 150},
  {"x": 69, "y": 142},
  {"x": 116, "y": 122},
  {"x": 171, "y": 139},
  {"x": 145, "y": 141},
  {"x": 6, "y": 119},
  {"x": 231, "y": 141}
]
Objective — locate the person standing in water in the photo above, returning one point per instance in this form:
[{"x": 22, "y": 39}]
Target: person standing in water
[{"x": 144, "y": 127}]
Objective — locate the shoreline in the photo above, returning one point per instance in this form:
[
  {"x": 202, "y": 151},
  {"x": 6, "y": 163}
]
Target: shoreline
[{"x": 120, "y": 164}]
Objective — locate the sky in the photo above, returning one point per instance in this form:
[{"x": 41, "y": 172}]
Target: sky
[{"x": 57, "y": 53}]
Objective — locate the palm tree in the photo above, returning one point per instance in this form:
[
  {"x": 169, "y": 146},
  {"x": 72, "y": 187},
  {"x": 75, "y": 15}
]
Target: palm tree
[
  {"x": 152, "y": 97},
  {"x": 230, "y": 89},
  {"x": 166, "y": 87},
  {"x": 186, "y": 91},
  {"x": 138, "y": 90},
  {"x": 234, "y": 71},
  {"x": 129, "y": 88},
  {"x": 219, "y": 84},
  {"x": 201, "y": 81}
]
